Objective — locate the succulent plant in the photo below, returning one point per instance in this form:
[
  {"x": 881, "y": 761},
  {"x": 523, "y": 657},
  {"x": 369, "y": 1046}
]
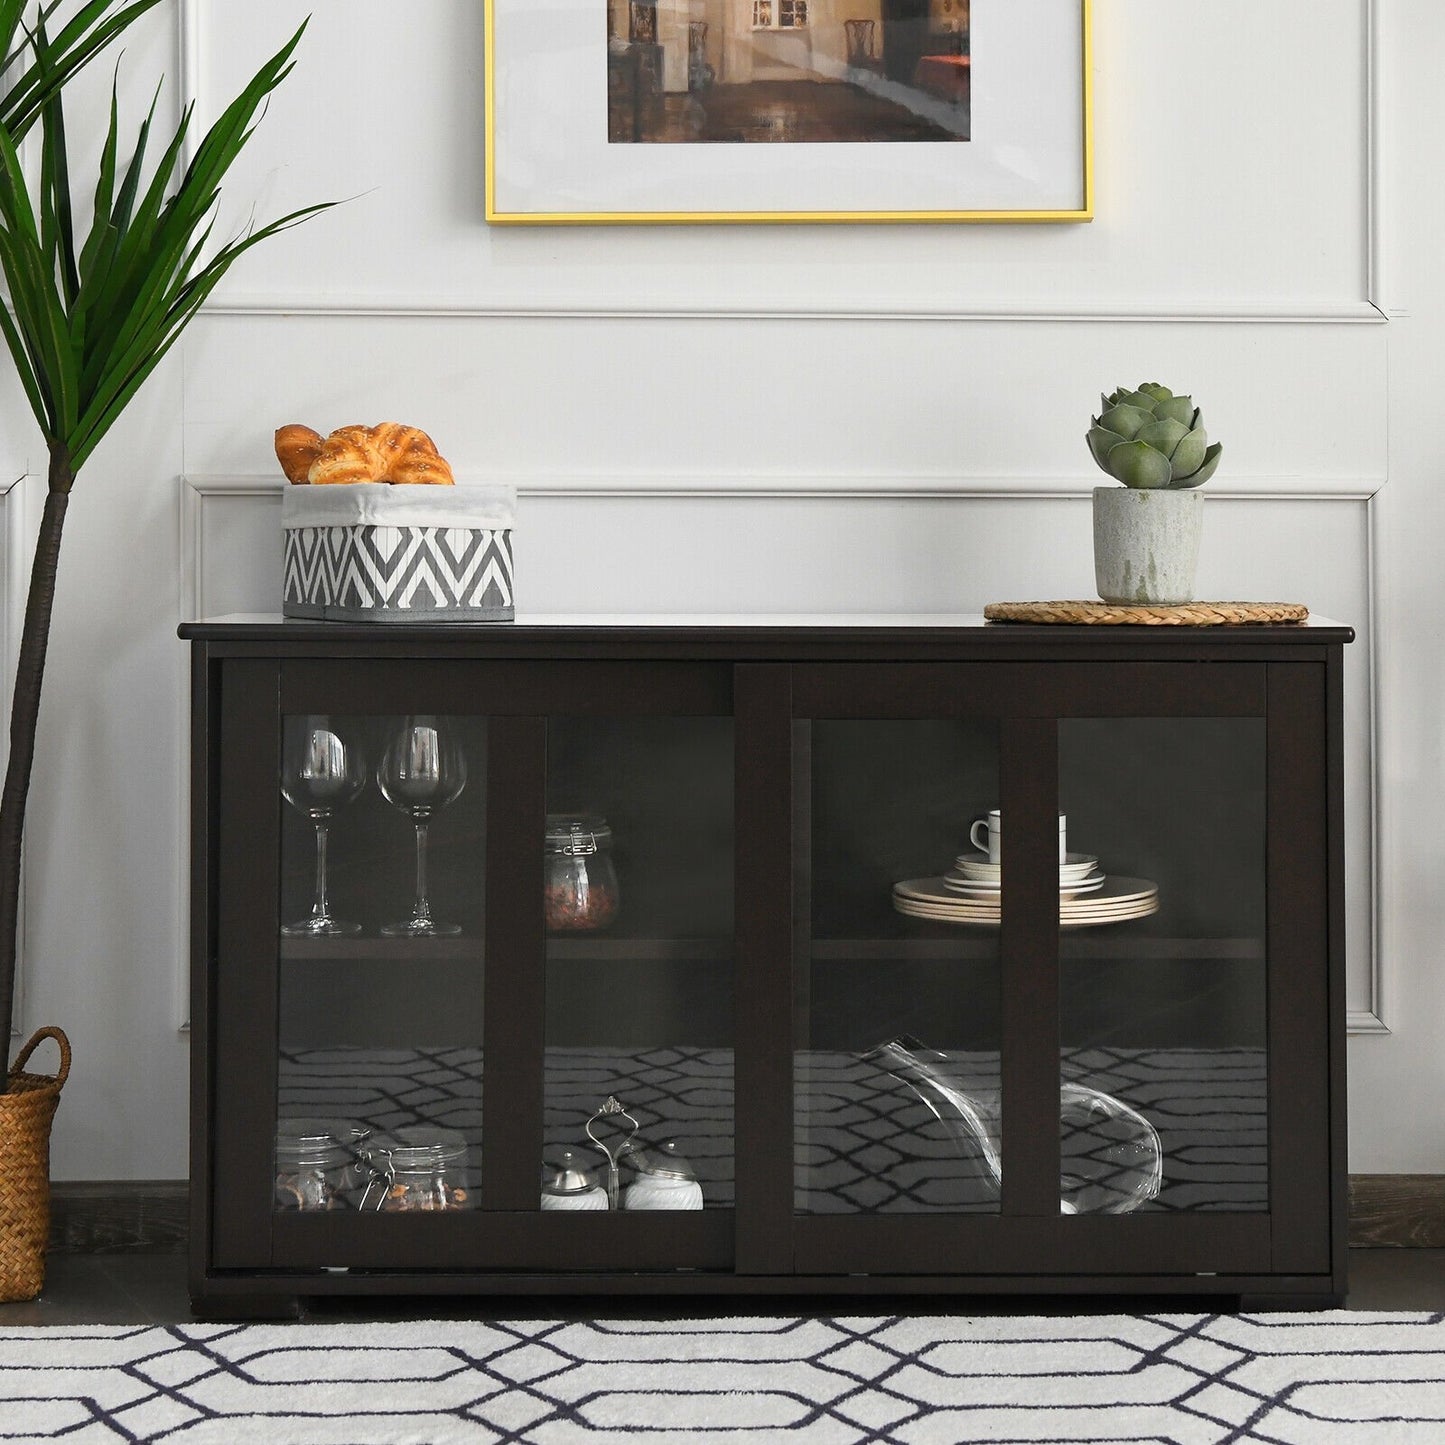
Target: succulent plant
[{"x": 1150, "y": 438}]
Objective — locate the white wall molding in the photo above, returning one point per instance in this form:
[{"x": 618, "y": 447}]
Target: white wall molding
[
  {"x": 698, "y": 486},
  {"x": 1374, "y": 1018},
  {"x": 17, "y": 528},
  {"x": 683, "y": 487},
  {"x": 193, "y": 495},
  {"x": 188, "y": 66},
  {"x": 1376, "y": 278},
  {"x": 1162, "y": 313}
]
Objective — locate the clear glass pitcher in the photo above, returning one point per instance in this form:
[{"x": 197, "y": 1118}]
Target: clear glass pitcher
[{"x": 1112, "y": 1160}]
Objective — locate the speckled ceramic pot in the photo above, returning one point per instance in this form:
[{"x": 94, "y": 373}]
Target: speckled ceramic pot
[{"x": 1146, "y": 544}]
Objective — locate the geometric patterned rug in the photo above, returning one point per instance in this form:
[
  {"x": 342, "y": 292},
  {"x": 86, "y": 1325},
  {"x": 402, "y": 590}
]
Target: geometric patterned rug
[{"x": 1152, "y": 1379}]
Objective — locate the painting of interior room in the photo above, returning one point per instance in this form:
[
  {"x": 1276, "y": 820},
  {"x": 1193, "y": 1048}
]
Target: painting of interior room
[{"x": 788, "y": 70}]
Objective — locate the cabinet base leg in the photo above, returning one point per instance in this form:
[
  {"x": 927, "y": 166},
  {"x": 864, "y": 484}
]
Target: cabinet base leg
[
  {"x": 238, "y": 1307},
  {"x": 1255, "y": 1304}
]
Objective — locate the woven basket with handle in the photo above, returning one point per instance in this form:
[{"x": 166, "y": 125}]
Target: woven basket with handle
[{"x": 26, "y": 1110}]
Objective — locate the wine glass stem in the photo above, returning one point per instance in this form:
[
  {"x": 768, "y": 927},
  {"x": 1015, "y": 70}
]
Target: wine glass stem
[
  {"x": 422, "y": 911},
  {"x": 321, "y": 908}
]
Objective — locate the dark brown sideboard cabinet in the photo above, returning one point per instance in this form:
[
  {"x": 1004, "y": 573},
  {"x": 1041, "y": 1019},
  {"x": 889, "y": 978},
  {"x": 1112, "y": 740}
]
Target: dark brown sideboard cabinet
[{"x": 663, "y": 956}]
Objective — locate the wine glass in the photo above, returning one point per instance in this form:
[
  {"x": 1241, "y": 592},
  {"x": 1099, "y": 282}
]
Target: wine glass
[
  {"x": 321, "y": 770},
  {"x": 422, "y": 770}
]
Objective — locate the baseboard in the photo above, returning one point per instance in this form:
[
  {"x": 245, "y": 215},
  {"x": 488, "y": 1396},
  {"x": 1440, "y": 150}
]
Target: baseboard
[
  {"x": 151, "y": 1216},
  {"x": 111, "y": 1216},
  {"x": 1398, "y": 1210}
]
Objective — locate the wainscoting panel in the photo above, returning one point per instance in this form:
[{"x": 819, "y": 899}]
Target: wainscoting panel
[
  {"x": 731, "y": 402},
  {"x": 747, "y": 546},
  {"x": 1182, "y": 95},
  {"x": 230, "y": 545}
]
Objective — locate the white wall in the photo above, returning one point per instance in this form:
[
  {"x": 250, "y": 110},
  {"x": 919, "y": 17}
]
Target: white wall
[{"x": 772, "y": 418}]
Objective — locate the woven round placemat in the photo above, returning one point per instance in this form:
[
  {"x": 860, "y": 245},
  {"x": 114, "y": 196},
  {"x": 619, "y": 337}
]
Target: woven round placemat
[{"x": 1183, "y": 614}]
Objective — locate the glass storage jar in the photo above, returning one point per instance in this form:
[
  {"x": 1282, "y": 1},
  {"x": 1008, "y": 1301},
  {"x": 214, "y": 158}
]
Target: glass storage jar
[
  {"x": 581, "y": 892},
  {"x": 415, "y": 1168},
  {"x": 319, "y": 1163}
]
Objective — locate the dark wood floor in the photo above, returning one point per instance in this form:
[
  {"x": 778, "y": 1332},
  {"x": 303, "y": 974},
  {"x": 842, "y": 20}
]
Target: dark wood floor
[
  {"x": 132, "y": 1288},
  {"x": 794, "y": 111}
]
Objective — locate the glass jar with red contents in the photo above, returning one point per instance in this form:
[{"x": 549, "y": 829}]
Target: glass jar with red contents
[{"x": 580, "y": 891}]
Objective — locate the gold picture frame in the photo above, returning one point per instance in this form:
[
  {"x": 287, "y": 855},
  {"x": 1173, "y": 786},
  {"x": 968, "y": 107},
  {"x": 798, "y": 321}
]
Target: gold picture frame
[{"x": 559, "y": 122}]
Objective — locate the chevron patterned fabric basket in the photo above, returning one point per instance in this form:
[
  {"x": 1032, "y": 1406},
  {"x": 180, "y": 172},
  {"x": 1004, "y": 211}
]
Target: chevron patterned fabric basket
[{"x": 380, "y": 553}]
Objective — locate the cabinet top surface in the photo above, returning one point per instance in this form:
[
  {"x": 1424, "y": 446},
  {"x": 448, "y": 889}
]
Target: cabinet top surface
[{"x": 967, "y": 629}]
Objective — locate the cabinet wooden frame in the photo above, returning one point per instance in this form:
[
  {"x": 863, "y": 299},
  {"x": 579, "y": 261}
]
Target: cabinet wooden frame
[
  {"x": 773, "y": 682},
  {"x": 507, "y": 1230},
  {"x": 1028, "y": 701}
]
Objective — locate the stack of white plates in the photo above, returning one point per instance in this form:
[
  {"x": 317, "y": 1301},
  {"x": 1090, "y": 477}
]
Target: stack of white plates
[
  {"x": 1114, "y": 901},
  {"x": 972, "y": 875}
]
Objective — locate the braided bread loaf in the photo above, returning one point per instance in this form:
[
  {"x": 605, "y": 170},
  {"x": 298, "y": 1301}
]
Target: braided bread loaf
[{"x": 390, "y": 452}]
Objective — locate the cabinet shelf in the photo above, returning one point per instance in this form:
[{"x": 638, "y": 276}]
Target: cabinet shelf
[
  {"x": 407, "y": 950},
  {"x": 602, "y": 950},
  {"x": 970, "y": 944},
  {"x": 960, "y": 943},
  {"x": 471, "y": 950}
]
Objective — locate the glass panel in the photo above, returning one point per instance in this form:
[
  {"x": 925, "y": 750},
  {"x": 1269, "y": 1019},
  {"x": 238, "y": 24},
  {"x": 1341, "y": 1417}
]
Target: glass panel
[
  {"x": 639, "y": 913},
  {"x": 897, "y": 1065},
  {"x": 1163, "y": 965},
  {"x": 380, "y": 1009}
]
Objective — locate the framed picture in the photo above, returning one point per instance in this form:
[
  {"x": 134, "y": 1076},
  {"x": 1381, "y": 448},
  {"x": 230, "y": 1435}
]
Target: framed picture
[{"x": 652, "y": 111}]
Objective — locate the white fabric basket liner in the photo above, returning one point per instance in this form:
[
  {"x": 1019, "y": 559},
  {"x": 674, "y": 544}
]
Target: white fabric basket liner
[{"x": 490, "y": 506}]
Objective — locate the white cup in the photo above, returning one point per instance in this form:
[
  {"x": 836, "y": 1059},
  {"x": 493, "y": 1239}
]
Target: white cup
[{"x": 987, "y": 836}]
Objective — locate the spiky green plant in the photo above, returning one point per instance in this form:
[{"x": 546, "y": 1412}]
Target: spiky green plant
[
  {"x": 1148, "y": 437},
  {"x": 91, "y": 315},
  {"x": 78, "y": 41}
]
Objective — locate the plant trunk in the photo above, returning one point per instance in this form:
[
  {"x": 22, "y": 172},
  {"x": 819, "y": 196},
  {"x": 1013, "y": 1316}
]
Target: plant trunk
[{"x": 24, "y": 715}]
